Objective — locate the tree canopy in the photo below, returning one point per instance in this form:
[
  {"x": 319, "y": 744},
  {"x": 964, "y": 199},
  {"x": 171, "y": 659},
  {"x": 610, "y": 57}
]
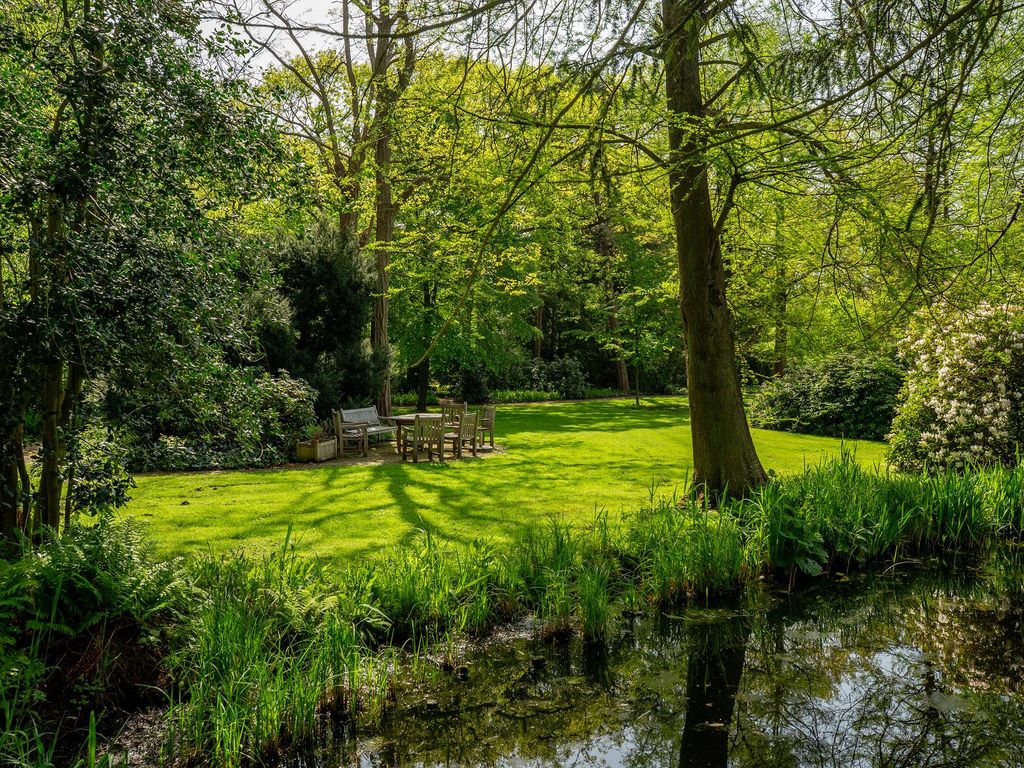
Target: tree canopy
[{"x": 679, "y": 195}]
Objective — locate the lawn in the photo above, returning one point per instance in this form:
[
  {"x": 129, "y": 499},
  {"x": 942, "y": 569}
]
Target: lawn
[{"x": 565, "y": 459}]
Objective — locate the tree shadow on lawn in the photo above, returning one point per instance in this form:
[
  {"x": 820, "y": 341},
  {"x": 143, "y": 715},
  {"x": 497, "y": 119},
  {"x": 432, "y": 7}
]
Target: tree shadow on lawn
[
  {"x": 430, "y": 497},
  {"x": 347, "y": 510}
]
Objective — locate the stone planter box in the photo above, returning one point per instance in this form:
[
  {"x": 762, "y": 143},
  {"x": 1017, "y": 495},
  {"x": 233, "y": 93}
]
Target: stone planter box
[{"x": 315, "y": 450}]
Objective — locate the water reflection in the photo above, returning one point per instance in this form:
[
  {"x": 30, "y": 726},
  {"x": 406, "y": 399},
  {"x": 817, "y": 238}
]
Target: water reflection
[
  {"x": 714, "y": 669},
  {"x": 911, "y": 669}
]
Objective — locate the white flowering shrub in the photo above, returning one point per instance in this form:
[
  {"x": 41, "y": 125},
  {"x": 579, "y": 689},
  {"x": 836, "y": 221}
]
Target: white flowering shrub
[{"x": 961, "y": 403}]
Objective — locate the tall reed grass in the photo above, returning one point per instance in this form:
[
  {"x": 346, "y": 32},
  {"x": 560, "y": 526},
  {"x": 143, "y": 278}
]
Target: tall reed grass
[
  {"x": 262, "y": 650},
  {"x": 273, "y": 645}
]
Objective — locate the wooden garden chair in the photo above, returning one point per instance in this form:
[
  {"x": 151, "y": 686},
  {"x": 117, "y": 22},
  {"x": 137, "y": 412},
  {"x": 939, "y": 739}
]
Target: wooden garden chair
[
  {"x": 486, "y": 424},
  {"x": 450, "y": 413},
  {"x": 424, "y": 433},
  {"x": 434, "y": 431},
  {"x": 351, "y": 435},
  {"x": 464, "y": 432}
]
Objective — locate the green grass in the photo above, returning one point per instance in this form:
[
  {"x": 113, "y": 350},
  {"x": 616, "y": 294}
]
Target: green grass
[{"x": 566, "y": 459}]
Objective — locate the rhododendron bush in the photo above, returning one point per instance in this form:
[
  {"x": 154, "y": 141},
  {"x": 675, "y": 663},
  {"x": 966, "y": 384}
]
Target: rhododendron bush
[{"x": 961, "y": 403}]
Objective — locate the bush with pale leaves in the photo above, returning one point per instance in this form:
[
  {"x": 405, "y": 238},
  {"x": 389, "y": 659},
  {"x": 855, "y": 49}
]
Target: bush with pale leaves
[{"x": 961, "y": 403}]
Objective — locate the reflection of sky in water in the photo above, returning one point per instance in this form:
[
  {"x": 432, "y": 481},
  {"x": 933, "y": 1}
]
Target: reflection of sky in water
[
  {"x": 889, "y": 674},
  {"x": 872, "y": 704}
]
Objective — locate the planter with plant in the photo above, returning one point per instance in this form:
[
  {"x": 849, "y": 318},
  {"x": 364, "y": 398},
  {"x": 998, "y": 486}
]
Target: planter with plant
[{"x": 318, "y": 445}]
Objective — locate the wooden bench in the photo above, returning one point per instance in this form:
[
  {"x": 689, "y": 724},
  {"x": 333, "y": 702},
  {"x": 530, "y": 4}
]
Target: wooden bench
[{"x": 353, "y": 428}]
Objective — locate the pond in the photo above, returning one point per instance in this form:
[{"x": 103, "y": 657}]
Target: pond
[{"x": 917, "y": 666}]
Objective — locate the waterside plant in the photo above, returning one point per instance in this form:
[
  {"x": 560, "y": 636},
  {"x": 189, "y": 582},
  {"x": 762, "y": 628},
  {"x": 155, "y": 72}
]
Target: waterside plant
[{"x": 254, "y": 654}]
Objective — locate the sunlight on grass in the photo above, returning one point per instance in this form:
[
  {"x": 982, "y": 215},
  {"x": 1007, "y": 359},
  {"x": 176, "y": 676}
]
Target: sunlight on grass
[{"x": 565, "y": 459}]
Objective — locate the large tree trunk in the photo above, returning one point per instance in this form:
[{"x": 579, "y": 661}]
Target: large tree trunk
[
  {"x": 621, "y": 371},
  {"x": 724, "y": 458},
  {"x": 422, "y": 384},
  {"x": 385, "y": 212},
  {"x": 10, "y": 487}
]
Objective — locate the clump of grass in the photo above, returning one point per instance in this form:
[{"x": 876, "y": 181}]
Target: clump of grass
[
  {"x": 839, "y": 513},
  {"x": 274, "y": 644},
  {"x": 427, "y": 589},
  {"x": 594, "y": 597},
  {"x": 682, "y": 551},
  {"x": 1003, "y": 494}
]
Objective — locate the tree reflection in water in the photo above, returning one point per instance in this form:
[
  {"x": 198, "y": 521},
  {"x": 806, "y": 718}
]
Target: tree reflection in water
[
  {"x": 713, "y": 673},
  {"x": 912, "y": 670}
]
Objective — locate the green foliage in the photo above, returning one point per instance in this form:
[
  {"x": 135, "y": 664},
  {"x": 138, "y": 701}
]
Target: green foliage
[
  {"x": 328, "y": 285},
  {"x": 843, "y": 395},
  {"x": 100, "y": 572},
  {"x": 684, "y": 551},
  {"x": 594, "y": 593},
  {"x": 522, "y": 396},
  {"x": 563, "y": 376},
  {"x": 95, "y": 594},
  {"x": 101, "y": 480},
  {"x": 963, "y": 401},
  {"x": 840, "y": 513},
  {"x": 781, "y": 535},
  {"x": 213, "y": 417},
  {"x": 404, "y": 399},
  {"x": 593, "y": 393},
  {"x": 472, "y": 386},
  {"x": 122, "y": 153}
]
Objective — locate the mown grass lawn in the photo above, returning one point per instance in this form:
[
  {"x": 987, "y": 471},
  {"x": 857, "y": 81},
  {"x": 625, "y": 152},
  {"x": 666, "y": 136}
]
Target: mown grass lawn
[{"x": 566, "y": 459}]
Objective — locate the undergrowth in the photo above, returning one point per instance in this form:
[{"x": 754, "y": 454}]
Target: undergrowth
[{"x": 255, "y": 652}]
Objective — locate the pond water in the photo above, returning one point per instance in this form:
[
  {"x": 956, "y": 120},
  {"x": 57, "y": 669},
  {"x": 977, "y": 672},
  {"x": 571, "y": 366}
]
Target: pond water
[{"x": 920, "y": 666}]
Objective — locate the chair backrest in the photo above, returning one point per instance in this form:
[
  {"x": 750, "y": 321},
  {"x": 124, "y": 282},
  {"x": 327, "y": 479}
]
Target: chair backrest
[
  {"x": 421, "y": 428},
  {"x": 433, "y": 429},
  {"x": 467, "y": 425},
  {"x": 450, "y": 413},
  {"x": 487, "y": 416},
  {"x": 363, "y": 415}
]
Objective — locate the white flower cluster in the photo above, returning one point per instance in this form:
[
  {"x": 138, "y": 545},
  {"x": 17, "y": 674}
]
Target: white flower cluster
[{"x": 960, "y": 372}]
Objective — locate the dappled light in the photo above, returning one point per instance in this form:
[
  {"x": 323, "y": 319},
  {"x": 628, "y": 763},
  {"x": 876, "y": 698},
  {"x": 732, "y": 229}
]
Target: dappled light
[{"x": 569, "y": 460}]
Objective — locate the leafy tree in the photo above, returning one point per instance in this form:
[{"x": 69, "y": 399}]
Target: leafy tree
[
  {"x": 340, "y": 103},
  {"x": 118, "y": 143},
  {"x": 329, "y": 291}
]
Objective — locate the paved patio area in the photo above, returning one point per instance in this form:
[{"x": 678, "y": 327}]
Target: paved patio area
[{"x": 384, "y": 453}]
